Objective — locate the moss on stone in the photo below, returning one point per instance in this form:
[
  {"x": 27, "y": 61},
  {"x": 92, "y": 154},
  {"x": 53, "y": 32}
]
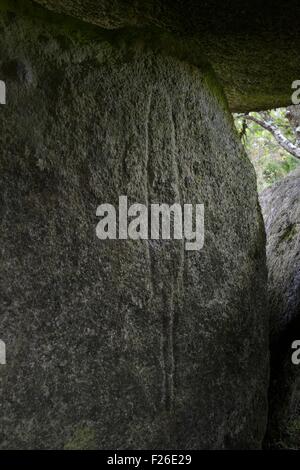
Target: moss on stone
[{"x": 83, "y": 439}]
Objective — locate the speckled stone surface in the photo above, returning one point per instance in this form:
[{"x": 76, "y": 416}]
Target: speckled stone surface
[
  {"x": 281, "y": 209},
  {"x": 123, "y": 344}
]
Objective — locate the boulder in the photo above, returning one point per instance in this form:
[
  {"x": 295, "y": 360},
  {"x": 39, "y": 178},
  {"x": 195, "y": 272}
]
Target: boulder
[
  {"x": 253, "y": 46},
  {"x": 281, "y": 210},
  {"x": 123, "y": 343}
]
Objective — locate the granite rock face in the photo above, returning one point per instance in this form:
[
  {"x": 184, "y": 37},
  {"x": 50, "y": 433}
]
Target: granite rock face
[
  {"x": 121, "y": 343},
  {"x": 281, "y": 210},
  {"x": 253, "y": 46}
]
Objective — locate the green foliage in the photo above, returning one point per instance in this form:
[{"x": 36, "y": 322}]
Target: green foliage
[{"x": 271, "y": 162}]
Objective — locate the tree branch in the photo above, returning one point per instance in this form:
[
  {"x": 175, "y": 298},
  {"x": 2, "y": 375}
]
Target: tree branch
[{"x": 277, "y": 134}]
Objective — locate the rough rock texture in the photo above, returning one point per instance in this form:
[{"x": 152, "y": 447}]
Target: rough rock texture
[
  {"x": 124, "y": 344},
  {"x": 253, "y": 46},
  {"x": 281, "y": 210}
]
